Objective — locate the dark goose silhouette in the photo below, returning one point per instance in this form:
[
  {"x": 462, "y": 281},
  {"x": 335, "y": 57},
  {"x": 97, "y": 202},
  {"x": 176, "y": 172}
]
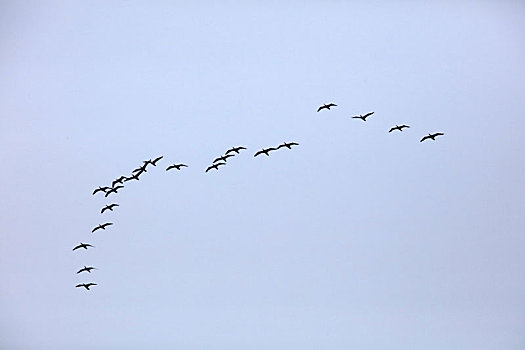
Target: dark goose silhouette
[
  {"x": 87, "y": 268},
  {"x": 214, "y": 166},
  {"x": 176, "y": 166},
  {"x": 108, "y": 207},
  {"x": 83, "y": 245},
  {"x": 399, "y": 127},
  {"x": 101, "y": 189},
  {"x": 115, "y": 189},
  {"x": 288, "y": 145},
  {"x": 265, "y": 151},
  {"x": 363, "y": 117},
  {"x": 102, "y": 226},
  {"x": 431, "y": 136},
  {"x": 235, "y": 149},
  {"x": 152, "y": 162},
  {"x": 141, "y": 168},
  {"x": 327, "y": 106},
  {"x": 133, "y": 177},
  {"x": 118, "y": 181},
  {"x": 86, "y": 285},
  {"x": 223, "y": 158}
]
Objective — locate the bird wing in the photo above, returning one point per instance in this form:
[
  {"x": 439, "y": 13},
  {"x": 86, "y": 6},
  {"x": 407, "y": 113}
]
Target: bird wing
[
  {"x": 78, "y": 246},
  {"x": 257, "y": 153},
  {"x": 96, "y": 228},
  {"x": 318, "y": 109},
  {"x": 368, "y": 114},
  {"x": 104, "y": 209},
  {"x": 357, "y": 117},
  {"x": 424, "y": 138},
  {"x": 392, "y": 129},
  {"x": 438, "y": 134},
  {"x": 332, "y": 105}
]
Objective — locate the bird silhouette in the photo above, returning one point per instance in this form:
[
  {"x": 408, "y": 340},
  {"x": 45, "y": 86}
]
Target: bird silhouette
[
  {"x": 265, "y": 151},
  {"x": 118, "y": 181},
  {"x": 115, "y": 189},
  {"x": 398, "y": 127},
  {"x": 214, "y": 166},
  {"x": 175, "y": 166},
  {"x": 83, "y": 245},
  {"x": 223, "y": 158},
  {"x": 235, "y": 149},
  {"x": 108, "y": 207},
  {"x": 363, "y": 117},
  {"x": 431, "y": 136},
  {"x": 86, "y": 268},
  {"x": 86, "y": 285},
  {"x": 101, "y": 189},
  {"x": 133, "y": 177},
  {"x": 152, "y": 162},
  {"x": 102, "y": 226},
  {"x": 141, "y": 168},
  {"x": 288, "y": 145},
  {"x": 327, "y": 106}
]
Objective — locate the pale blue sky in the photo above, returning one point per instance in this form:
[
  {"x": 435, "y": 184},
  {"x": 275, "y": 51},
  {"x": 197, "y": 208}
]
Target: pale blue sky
[{"x": 357, "y": 238}]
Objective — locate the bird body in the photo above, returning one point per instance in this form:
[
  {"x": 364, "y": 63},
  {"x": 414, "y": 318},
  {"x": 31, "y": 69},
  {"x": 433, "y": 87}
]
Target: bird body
[
  {"x": 108, "y": 207},
  {"x": 176, "y": 166},
  {"x": 265, "y": 151},
  {"x": 431, "y": 136},
  {"x": 102, "y": 226},
  {"x": 327, "y": 106},
  {"x": 363, "y": 117},
  {"x": 398, "y": 127},
  {"x": 288, "y": 145},
  {"x": 235, "y": 149},
  {"x": 101, "y": 189},
  {"x": 83, "y": 245},
  {"x": 86, "y": 268},
  {"x": 223, "y": 158},
  {"x": 85, "y": 285},
  {"x": 114, "y": 189},
  {"x": 214, "y": 166}
]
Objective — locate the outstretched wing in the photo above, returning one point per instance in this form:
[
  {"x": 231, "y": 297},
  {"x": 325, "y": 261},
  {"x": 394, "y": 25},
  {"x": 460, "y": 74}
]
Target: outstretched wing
[
  {"x": 259, "y": 152},
  {"x": 368, "y": 114},
  {"x": 424, "y": 138}
]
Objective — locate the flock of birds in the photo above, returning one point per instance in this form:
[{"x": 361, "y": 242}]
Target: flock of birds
[{"x": 118, "y": 183}]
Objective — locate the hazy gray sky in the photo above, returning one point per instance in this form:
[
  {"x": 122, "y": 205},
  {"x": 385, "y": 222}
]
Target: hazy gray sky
[{"x": 358, "y": 238}]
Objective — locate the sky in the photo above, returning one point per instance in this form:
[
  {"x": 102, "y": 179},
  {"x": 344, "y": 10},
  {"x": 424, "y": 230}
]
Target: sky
[{"x": 356, "y": 238}]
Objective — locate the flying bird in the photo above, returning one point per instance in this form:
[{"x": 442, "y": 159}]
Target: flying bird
[
  {"x": 235, "y": 149},
  {"x": 86, "y": 268},
  {"x": 398, "y": 127},
  {"x": 265, "y": 151},
  {"x": 363, "y": 117},
  {"x": 214, "y": 166},
  {"x": 223, "y": 158},
  {"x": 83, "y": 245},
  {"x": 86, "y": 285},
  {"x": 327, "y": 106},
  {"x": 152, "y": 162},
  {"x": 141, "y": 168},
  {"x": 108, "y": 207},
  {"x": 133, "y": 177},
  {"x": 118, "y": 181},
  {"x": 175, "y": 166},
  {"x": 431, "y": 136},
  {"x": 115, "y": 189},
  {"x": 99, "y": 189},
  {"x": 102, "y": 226},
  {"x": 288, "y": 145}
]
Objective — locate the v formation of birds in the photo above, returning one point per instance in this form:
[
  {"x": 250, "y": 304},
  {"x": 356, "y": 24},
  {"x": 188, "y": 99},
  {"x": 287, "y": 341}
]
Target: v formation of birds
[{"x": 222, "y": 160}]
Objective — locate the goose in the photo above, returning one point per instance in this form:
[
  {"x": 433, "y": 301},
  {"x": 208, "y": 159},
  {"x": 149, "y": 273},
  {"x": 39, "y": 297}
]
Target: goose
[
  {"x": 431, "y": 136},
  {"x": 327, "y": 106}
]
